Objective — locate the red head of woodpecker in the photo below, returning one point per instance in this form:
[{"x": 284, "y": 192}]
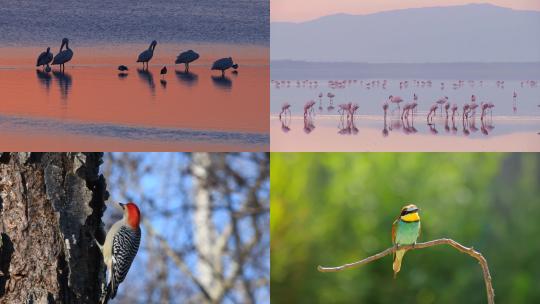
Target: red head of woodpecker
[{"x": 121, "y": 246}]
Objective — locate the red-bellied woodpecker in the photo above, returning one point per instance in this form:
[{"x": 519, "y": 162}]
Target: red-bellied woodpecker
[{"x": 121, "y": 245}]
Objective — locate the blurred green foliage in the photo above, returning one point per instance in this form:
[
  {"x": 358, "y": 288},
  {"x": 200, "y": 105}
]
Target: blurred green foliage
[{"x": 335, "y": 208}]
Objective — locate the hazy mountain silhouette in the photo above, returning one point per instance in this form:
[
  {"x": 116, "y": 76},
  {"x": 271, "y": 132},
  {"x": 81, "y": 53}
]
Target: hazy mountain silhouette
[{"x": 467, "y": 33}]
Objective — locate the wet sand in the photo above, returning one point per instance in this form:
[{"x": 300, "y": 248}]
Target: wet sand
[
  {"x": 92, "y": 91},
  {"x": 507, "y": 136}
]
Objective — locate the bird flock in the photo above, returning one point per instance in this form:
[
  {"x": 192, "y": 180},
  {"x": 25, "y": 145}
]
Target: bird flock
[
  {"x": 402, "y": 113},
  {"x": 45, "y": 59}
]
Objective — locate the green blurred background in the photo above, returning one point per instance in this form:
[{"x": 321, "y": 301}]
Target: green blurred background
[{"x": 335, "y": 208}]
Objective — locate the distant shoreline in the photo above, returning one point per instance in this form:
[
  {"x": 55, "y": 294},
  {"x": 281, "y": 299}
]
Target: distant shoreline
[{"x": 291, "y": 69}]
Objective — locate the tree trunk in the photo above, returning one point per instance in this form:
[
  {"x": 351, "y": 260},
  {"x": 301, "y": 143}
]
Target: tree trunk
[{"x": 50, "y": 207}]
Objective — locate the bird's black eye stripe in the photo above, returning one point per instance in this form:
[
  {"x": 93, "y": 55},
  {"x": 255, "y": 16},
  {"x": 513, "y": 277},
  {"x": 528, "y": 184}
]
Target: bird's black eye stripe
[{"x": 405, "y": 211}]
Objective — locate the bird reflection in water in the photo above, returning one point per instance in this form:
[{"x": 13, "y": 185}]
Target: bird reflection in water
[
  {"x": 44, "y": 79},
  {"x": 64, "y": 81},
  {"x": 187, "y": 78},
  {"x": 222, "y": 82},
  {"x": 147, "y": 77},
  {"x": 163, "y": 83},
  {"x": 122, "y": 75},
  {"x": 285, "y": 123},
  {"x": 309, "y": 124},
  {"x": 385, "y": 126}
]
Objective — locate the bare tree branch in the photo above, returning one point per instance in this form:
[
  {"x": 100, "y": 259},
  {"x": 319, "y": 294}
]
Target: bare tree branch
[{"x": 470, "y": 251}]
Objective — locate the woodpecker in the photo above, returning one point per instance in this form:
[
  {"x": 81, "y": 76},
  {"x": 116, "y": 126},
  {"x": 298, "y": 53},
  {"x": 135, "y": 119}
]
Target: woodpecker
[{"x": 121, "y": 245}]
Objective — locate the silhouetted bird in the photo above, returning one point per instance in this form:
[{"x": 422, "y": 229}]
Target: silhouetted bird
[
  {"x": 45, "y": 58},
  {"x": 147, "y": 55},
  {"x": 163, "y": 71},
  {"x": 63, "y": 56},
  {"x": 224, "y": 64},
  {"x": 186, "y": 58},
  {"x": 122, "y": 68}
]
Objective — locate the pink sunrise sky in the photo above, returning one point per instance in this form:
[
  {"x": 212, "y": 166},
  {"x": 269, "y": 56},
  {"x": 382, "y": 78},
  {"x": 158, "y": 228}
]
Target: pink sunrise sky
[{"x": 302, "y": 10}]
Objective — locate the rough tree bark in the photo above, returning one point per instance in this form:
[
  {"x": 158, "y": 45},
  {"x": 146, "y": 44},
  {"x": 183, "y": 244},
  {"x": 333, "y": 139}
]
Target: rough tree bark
[{"x": 50, "y": 206}]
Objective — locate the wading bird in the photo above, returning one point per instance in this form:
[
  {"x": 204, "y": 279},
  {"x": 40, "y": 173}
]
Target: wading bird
[
  {"x": 45, "y": 58},
  {"x": 405, "y": 231},
  {"x": 163, "y": 72},
  {"x": 147, "y": 54},
  {"x": 63, "y": 56},
  {"x": 432, "y": 112},
  {"x": 186, "y": 58},
  {"x": 285, "y": 108},
  {"x": 395, "y": 100},
  {"x": 224, "y": 64}
]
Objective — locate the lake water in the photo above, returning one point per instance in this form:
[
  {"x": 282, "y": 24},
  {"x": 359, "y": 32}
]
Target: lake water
[
  {"x": 97, "y": 107},
  {"x": 28, "y": 22},
  {"x": 513, "y": 124}
]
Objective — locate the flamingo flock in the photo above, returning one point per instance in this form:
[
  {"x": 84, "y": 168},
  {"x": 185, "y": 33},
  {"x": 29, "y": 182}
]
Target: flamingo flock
[{"x": 404, "y": 119}]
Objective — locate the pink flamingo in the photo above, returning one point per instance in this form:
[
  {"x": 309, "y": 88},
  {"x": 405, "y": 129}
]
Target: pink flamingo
[
  {"x": 442, "y": 101},
  {"x": 396, "y": 100},
  {"x": 466, "y": 109},
  {"x": 484, "y": 106},
  {"x": 454, "y": 110},
  {"x": 308, "y": 108},
  {"x": 446, "y": 108},
  {"x": 406, "y": 109},
  {"x": 414, "y": 104},
  {"x": 432, "y": 111},
  {"x": 473, "y": 107},
  {"x": 285, "y": 108}
]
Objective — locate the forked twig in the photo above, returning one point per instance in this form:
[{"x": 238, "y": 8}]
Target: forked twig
[{"x": 470, "y": 251}]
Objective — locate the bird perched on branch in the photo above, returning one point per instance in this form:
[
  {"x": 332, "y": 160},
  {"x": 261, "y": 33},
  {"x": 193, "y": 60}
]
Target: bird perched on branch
[
  {"x": 120, "y": 248},
  {"x": 405, "y": 231}
]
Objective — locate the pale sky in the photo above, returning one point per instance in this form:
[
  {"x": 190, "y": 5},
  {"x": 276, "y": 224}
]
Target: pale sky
[{"x": 302, "y": 10}]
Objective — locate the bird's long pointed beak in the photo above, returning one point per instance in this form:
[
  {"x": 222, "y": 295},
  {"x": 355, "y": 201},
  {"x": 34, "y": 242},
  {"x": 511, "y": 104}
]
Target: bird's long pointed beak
[{"x": 121, "y": 205}]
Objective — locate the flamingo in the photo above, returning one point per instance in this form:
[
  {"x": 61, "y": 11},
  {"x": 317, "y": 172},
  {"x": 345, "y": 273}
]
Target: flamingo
[
  {"x": 45, "y": 58},
  {"x": 330, "y": 96},
  {"x": 396, "y": 100},
  {"x": 308, "y": 107},
  {"x": 432, "y": 111},
  {"x": 466, "y": 109},
  {"x": 186, "y": 58},
  {"x": 442, "y": 101},
  {"x": 406, "y": 109},
  {"x": 473, "y": 107},
  {"x": 446, "y": 107},
  {"x": 285, "y": 108},
  {"x": 63, "y": 56},
  {"x": 147, "y": 55},
  {"x": 224, "y": 64},
  {"x": 414, "y": 104},
  {"x": 454, "y": 110}
]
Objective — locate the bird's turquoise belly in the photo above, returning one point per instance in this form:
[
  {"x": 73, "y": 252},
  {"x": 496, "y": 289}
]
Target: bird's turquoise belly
[{"x": 407, "y": 233}]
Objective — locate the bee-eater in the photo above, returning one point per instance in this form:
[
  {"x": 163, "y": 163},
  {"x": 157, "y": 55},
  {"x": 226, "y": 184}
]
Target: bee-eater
[{"x": 405, "y": 231}]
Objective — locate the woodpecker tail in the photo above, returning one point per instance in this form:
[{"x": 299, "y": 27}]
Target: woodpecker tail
[
  {"x": 110, "y": 293},
  {"x": 397, "y": 261}
]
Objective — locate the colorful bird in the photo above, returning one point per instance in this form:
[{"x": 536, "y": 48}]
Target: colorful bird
[{"x": 405, "y": 231}]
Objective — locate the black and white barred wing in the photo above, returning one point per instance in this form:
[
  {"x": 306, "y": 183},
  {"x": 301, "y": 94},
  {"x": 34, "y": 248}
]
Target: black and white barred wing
[{"x": 124, "y": 249}]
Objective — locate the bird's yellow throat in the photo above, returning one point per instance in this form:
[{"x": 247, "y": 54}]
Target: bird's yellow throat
[{"x": 411, "y": 217}]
